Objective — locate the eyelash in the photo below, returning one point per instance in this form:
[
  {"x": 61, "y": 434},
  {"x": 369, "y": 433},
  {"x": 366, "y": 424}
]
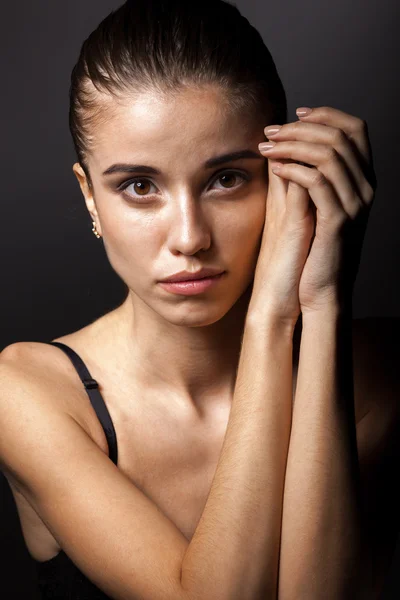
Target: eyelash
[{"x": 126, "y": 184}]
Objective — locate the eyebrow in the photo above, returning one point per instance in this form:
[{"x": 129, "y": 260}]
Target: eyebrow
[{"x": 210, "y": 163}]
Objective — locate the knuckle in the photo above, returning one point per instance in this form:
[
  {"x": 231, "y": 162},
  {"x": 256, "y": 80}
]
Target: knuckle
[
  {"x": 297, "y": 125},
  {"x": 369, "y": 192},
  {"x": 359, "y": 207},
  {"x": 339, "y": 137},
  {"x": 330, "y": 154},
  {"x": 318, "y": 179},
  {"x": 340, "y": 220},
  {"x": 361, "y": 125}
]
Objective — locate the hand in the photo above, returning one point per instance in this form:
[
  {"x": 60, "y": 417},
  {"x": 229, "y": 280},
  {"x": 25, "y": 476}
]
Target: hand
[
  {"x": 285, "y": 242},
  {"x": 341, "y": 183}
]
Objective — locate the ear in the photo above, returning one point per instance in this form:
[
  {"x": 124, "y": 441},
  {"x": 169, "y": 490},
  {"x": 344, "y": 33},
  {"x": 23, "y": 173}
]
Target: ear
[{"x": 88, "y": 194}]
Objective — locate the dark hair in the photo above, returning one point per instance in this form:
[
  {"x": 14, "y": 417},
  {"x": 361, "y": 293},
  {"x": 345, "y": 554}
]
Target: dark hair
[{"x": 166, "y": 45}]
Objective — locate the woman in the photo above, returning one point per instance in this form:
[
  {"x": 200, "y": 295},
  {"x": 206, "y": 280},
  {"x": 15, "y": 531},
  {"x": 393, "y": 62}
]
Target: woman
[{"x": 154, "y": 459}]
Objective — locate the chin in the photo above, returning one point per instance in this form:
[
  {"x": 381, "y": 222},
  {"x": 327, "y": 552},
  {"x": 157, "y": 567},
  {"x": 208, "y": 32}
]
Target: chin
[
  {"x": 188, "y": 314},
  {"x": 192, "y": 317}
]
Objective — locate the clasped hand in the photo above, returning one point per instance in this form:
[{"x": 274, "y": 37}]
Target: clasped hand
[{"x": 338, "y": 174}]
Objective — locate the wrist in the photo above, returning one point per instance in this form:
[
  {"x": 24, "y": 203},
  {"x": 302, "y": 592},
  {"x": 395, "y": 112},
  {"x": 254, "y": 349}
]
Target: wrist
[
  {"x": 334, "y": 303},
  {"x": 334, "y": 311},
  {"x": 264, "y": 321}
]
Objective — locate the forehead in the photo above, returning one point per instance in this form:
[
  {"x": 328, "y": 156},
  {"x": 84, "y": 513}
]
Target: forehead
[{"x": 191, "y": 123}]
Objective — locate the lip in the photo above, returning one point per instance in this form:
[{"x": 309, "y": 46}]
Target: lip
[
  {"x": 188, "y": 276},
  {"x": 192, "y": 287}
]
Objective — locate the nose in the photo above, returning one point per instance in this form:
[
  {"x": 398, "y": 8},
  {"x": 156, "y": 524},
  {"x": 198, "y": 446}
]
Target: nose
[{"x": 188, "y": 230}]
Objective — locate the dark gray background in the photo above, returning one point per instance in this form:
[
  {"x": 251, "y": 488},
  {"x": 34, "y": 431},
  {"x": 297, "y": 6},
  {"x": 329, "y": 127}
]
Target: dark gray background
[{"x": 55, "y": 274}]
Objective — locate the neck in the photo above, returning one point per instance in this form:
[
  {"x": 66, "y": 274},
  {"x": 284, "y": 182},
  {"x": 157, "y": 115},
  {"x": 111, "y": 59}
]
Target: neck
[{"x": 194, "y": 365}]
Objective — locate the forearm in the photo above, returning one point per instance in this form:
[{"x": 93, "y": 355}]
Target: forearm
[
  {"x": 234, "y": 552},
  {"x": 321, "y": 542}
]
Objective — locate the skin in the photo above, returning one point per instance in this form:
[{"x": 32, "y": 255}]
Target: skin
[
  {"x": 184, "y": 218},
  {"x": 341, "y": 184},
  {"x": 192, "y": 132},
  {"x": 230, "y": 231}
]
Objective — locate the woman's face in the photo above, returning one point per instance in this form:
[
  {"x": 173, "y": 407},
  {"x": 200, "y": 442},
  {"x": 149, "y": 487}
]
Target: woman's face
[{"x": 189, "y": 214}]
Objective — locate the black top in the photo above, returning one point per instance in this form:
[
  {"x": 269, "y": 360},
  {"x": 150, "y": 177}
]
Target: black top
[{"x": 59, "y": 578}]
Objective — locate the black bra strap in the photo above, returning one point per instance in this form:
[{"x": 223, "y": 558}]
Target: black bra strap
[{"x": 96, "y": 398}]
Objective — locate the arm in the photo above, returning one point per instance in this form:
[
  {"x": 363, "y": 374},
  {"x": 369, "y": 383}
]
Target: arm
[
  {"x": 235, "y": 548},
  {"x": 322, "y": 529},
  {"x": 112, "y": 531}
]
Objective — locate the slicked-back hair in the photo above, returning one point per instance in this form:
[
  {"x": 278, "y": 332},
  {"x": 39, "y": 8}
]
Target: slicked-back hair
[{"x": 164, "y": 46}]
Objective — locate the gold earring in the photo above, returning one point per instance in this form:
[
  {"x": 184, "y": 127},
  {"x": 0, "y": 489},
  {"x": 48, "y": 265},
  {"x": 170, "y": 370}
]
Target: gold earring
[{"x": 94, "y": 229}]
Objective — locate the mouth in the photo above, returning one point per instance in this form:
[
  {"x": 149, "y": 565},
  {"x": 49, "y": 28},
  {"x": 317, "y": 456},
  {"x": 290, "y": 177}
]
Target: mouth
[{"x": 191, "y": 287}]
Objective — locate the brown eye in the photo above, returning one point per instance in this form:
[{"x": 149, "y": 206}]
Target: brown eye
[
  {"x": 226, "y": 178},
  {"x": 141, "y": 186},
  {"x": 229, "y": 179}
]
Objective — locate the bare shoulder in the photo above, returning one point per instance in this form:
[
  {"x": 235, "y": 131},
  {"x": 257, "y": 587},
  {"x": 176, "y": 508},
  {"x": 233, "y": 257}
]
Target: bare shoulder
[
  {"x": 32, "y": 363},
  {"x": 33, "y": 369},
  {"x": 377, "y": 387},
  {"x": 38, "y": 364},
  {"x": 69, "y": 482},
  {"x": 28, "y": 370}
]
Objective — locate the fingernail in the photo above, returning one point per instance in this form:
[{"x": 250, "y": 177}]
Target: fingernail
[
  {"x": 303, "y": 111},
  {"x": 265, "y": 146},
  {"x": 272, "y": 130}
]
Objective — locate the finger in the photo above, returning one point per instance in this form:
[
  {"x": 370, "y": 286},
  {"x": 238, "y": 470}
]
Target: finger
[
  {"x": 330, "y": 165},
  {"x": 277, "y": 186},
  {"x": 330, "y": 136},
  {"x": 288, "y": 195},
  {"x": 297, "y": 200},
  {"x": 320, "y": 190},
  {"x": 355, "y": 128}
]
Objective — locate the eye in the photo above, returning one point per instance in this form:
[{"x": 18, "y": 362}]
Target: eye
[
  {"x": 229, "y": 175},
  {"x": 141, "y": 184}
]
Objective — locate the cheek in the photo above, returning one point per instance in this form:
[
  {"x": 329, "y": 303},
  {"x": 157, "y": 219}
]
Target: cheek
[
  {"x": 133, "y": 245},
  {"x": 242, "y": 229},
  {"x": 131, "y": 248}
]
